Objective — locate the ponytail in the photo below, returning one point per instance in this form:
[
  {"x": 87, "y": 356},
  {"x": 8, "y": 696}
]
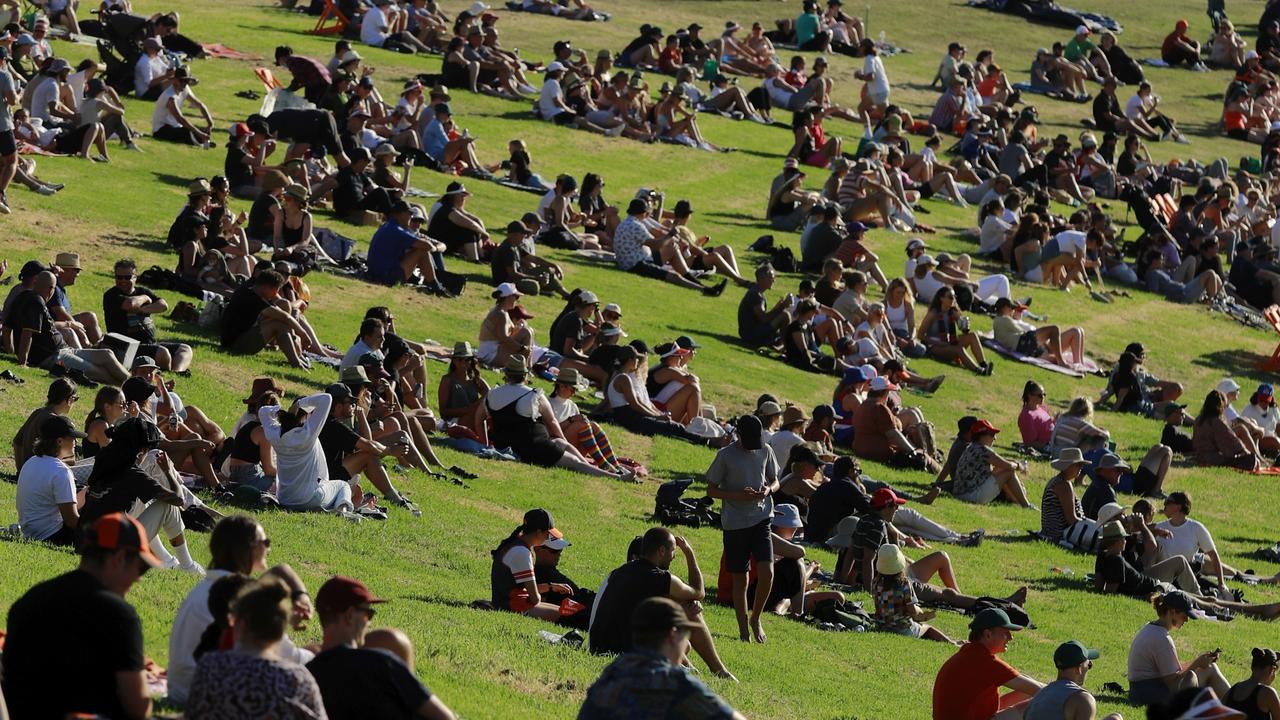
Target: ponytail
[{"x": 514, "y": 534}]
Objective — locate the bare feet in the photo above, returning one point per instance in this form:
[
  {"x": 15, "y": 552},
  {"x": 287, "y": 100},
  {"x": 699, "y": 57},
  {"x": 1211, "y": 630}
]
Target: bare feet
[
  {"x": 757, "y": 630},
  {"x": 929, "y": 497},
  {"x": 724, "y": 674}
]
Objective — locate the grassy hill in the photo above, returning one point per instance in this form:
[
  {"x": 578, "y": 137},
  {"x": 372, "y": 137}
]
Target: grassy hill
[{"x": 488, "y": 665}]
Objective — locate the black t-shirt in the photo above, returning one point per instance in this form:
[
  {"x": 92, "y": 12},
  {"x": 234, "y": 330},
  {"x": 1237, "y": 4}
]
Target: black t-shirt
[
  {"x": 233, "y": 167},
  {"x": 30, "y": 312},
  {"x": 831, "y": 503},
  {"x": 138, "y": 326},
  {"x": 752, "y": 300},
  {"x": 241, "y": 313},
  {"x": 1106, "y": 108},
  {"x": 117, "y": 493},
  {"x": 180, "y": 230},
  {"x": 568, "y": 328},
  {"x": 823, "y": 241},
  {"x": 1128, "y": 381},
  {"x": 826, "y": 292},
  {"x": 633, "y": 46},
  {"x": 871, "y": 533},
  {"x": 359, "y": 683},
  {"x": 338, "y": 441},
  {"x": 1175, "y": 439},
  {"x": 1053, "y": 159},
  {"x": 626, "y": 588},
  {"x": 349, "y": 193},
  {"x": 1115, "y": 569},
  {"x": 604, "y": 356},
  {"x": 551, "y": 574},
  {"x": 262, "y": 223},
  {"x": 1098, "y": 493},
  {"x": 1267, "y": 43},
  {"x": 1127, "y": 165},
  {"x": 68, "y": 637},
  {"x": 505, "y": 258}
]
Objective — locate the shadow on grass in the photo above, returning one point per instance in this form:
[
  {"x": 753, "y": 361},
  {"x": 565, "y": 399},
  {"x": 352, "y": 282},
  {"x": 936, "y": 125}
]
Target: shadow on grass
[
  {"x": 743, "y": 219},
  {"x": 441, "y": 600},
  {"x": 1235, "y": 363},
  {"x": 730, "y": 340},
  {"x": 1235, "y": 538},
  {"x": 150, "y": 243},
  {"x": 759, "y": 153},
  {"x": 174, "y": 180}
]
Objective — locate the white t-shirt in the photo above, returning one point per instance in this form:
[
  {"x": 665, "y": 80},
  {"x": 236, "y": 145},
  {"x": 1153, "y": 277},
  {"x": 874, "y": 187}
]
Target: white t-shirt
[
  {"x": 44, "y": 483},
  {"x": 928, "y": 286},
  {"x": 76, "y": 81},
  {"x": 564, "y": 408},
  {"x": 146, "y": 70},
  {"x": 781, "y": 442},
  {"x": 526, "y": 402},
  {"x": 545, "y": 203},
  {"x": 300, "y": 460},
  {"x": 780, "y": 96},
  {"x": 519, "y": 560},
  {"x": 161, "y": 117},
  {"x": 1152, "y": 654},
  {"x": 1266, "y": 420},
  {"x": 879, "y": 82},
  {"x": 352, "y": 356},
  {"x": 993, "y": 233},
  {"x": 1069, "y": 241},
  {"x": 44, "y": 94},
  {"x": 1134, "y": 107},
  {"x": 547, "y": 104},
  {"x": 373, "y": 29},
  {"x": 1188, "y": 539}
]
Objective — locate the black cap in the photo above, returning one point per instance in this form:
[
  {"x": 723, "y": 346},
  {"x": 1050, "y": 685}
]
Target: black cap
[
  {"x": 1177, "y": 600},
  {"x": 1136, "y": 349},
  {"x": 683, "y": 209},
  {"x": 517, "y": 227},
  {"x": 801, "y": 453},
  {"x": 637, "y": 206},
  {"x": 59, "y": 426},
  {"x": 399, "y": 206},
  {"x": 339, "y": 392},
  {"x": 749, "y": 430},
  {"x": 539, "y": 519},
  {"x": 687, "y": 342},
  {"x": 137, "y": 389},
  {"x": 359, "y": 154},
  {"x": 443, "y": 109},
  {"x": 30, "y": 269}
]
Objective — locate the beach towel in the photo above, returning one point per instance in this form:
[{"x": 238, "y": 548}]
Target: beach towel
[
  {"x": 1047, "y": 92},
  {"x": 219, "y": 50},
  {"x": 1077, "y": 371}
]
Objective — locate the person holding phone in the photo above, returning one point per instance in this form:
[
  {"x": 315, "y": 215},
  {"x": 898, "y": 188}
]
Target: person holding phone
[{"x": 1155, "y": 671}]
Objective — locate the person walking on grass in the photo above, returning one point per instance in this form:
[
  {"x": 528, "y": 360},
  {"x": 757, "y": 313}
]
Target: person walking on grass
[
  {"x": 1066, "y": 698},
  {"x": 744, "y": 477}
]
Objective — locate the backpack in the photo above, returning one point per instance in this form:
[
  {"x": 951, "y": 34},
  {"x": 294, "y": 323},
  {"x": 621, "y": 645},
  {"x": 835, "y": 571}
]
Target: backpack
[
  {"x": 337, "y": 247},
  {"x": 670, "y": 509},
  {"x": 212, "y": 311},
  {"x": 784, "y": 260},
  {"x": 1016, "y": 614}
]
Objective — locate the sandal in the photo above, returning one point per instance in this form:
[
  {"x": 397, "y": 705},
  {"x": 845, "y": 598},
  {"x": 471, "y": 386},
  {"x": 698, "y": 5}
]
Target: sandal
[{"x": 10, "y": 376}]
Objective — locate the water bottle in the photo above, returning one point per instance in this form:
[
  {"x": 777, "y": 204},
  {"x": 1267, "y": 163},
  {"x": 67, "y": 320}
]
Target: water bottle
[
  {"x": 420, "y": 392},
  {"x": 881, "y": 43}
]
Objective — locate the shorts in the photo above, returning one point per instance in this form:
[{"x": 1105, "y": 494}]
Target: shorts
[
  {"x": 649, "y": 269},
  {"x": 1035, "y": 274},
  {"x": 1149, "y": 692},
  {"x": 1237, "y": 134},
  {"x": 879, "y": 98},
  {"x": 563, "y": 118},
  {"x": 8, "y": 143},
  {"x": 1144, "y": 481},
  {"x": 69, "y": 359},
  {"x": 71, "y": 141},
  {"x": 746, "y": 544},
  {"x": 252, "y": 476},
  {"x": 153, "y": 349},
  {"x": 790, "y": 221},
  {"x": 1028, "y": 345},
  {"x": 339, "y": 472},
  {"x": 983, "y": 494},
  {"x": 759, "y": 335},
  {"x": 1192, "y": 291},
  {"x": 912, "y": 629},
  {"x": 250, "y": 342},
  {"x": 1051, "y": 250},
  {"x": 561, "y": 238}
]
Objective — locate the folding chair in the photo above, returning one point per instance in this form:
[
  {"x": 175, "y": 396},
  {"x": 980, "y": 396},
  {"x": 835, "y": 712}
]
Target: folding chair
[
  {"x": 1272, "y": 315},
  {"x": 267, "y": 78},
  {"x": 331, "y": 14}
]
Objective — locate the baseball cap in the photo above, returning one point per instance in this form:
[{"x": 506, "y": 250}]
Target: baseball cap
[
  {"x": 539, "y": 519},
  {"x": 59, "y": 426},
  {"x": 339, "y": 594},
  {"x": 505, "y": 290},
  {"x": 881, "y": 382},
  {"x": 992, "y": 618},
  {"x": 515, "y": 227},
  {"x": 372, "y": 365},
  {"x": 339, "y": 391},
  {"x": 687, "y": 342},
  {"x": 884, "y": 497},
  {"x": 1072, "y": 653},
  {"x": 615, "y": 309},
  {"x": 557, "y": 541},
  {"x": 555, "y": 66},
  {"x": 1082, "y": 29},
  {"x": 118, "y": 531},
  {"x": 1266, "y": 390},
  {"x": 142, "y": 361},
  {"x": 1177, "y": 600},
  {"x": 981, "y": 427}
]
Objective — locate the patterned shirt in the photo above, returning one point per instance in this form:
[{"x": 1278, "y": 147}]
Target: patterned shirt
[
  {"x": 972, "y": 469},
  {"x": 629, "y": 243},
  {"x": 894, "y": 599},
  {"x": 643, "y": 685},
  {"x": 233, "y": 685}
]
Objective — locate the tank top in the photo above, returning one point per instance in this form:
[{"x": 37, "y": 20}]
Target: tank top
[
  {"x": 1049, "y": 702},
  {"x": 243, "y": 448},
  {"x": 617, "y": 400},
  {"x": 1053, "y": 522},
  {"x": 461, "y": 394},
  {"x": 290, "y": 236},
  {"x": 445, "y": 230},
  {"x": 501, "y": 581},
  {"x": 897, "y": 316},
  {"x": 1249, "y": 704}
]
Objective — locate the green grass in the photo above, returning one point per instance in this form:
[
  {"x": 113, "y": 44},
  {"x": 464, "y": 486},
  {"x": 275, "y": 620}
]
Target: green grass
[{"x": 488, "y": 665}]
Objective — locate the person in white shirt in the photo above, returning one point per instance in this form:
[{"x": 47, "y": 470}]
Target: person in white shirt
[
  {"x": 151, "y": 74},
  {"x": 384, "y": 25},
  {"x": 301, "y": 469},
  {"x": 794, "y": 421},
  {"x": 1142, "y": 114},
  {"x": 1246, "y": 427},
  {"x": 238, "y": 544},
  {"x": 168, "y": 121},
  {"x": 1262, "y": 411},
  {"x": 46, "y": 488},
  {"x": 1190, "y": 539},
  {"x": 551, "y": 104},
  {"x": 46, "y": 99},
  {"x": 873, "y": 74}
]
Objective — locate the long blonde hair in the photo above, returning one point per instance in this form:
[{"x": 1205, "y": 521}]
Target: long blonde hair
[
  {"x": 1081, "y": 407},
  {"x": 896, "y": 283}
]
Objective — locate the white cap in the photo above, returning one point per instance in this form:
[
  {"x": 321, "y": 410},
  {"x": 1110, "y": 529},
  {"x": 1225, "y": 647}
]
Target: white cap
[
  {"x": 924, "y": 260},
  {"x": 881, "y": 382},
  {"x": 1227, "y": 385},
  {"x": 1082, "y": 30},
  {"x": 613, "y": 308},
  {"x": 506, "y": 290},
  {"x": 1251, "y": 55},
  {"x": 556, "y": 543},
  {"x": 555, "y": 66}
]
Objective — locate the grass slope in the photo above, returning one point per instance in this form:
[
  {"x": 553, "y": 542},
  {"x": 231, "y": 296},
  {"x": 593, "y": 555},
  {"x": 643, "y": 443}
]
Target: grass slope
[{"x": 488, "y": 665}]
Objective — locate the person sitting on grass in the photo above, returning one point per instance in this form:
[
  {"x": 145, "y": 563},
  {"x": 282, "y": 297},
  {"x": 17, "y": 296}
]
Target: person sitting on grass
[
  {"x": 631, "y": 407},
  {"x": 857, "y": 565},
  {"x": 399, "y": 253},
  {"x": 947, "y": 334},
  {"x": 1060, "y": 509},
  {"x": 758, "y": 324},
  {"x": 1155, "y": 673},
  {"x": 46, "y": 501},
  {"x": 546, "y": 570},
  {"x": 972, "y": 677},
  {"x": 253, "y": 678},
  {"x": 357, "y": 681},
  {"x": 39, "y": 343},
  {"x": 1061, "y": 346},
  {"x": 350, "y": 449},
  {"x": 1215, "y": 442},
  {"x": 653, "y": 673},
  {"x": 1066, "y": 696},
  {"x": 645, "y": 576},
  {"x": 981, "y": 475},
  {"x": 638, "y": 250},
  {"x": 513, "y": 586},
  {"x": 897, "y": 608},
  {"x": 302, "y": 473},
  {"x": 257, "y": 316},
  {"x": 80, "y": 623},
  {"x": 1256, "y": 697},
  {"x": 789, "y": 593},
  {"x": 169, "y": 123}
]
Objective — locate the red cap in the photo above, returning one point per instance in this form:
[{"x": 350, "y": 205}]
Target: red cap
[
  {"x": 118, "y": 531},
  {"x": 339, "y": 594},
  {"x": 1181, "y": 25},
  {"x": 980, "y": 427},
  {"x": 884, "y": 497}
]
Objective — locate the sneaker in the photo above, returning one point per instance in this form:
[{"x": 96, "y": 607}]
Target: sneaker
[
  {"x": 762, "y": 121},
  {"x": 716, "y": 290},
  {"x": 615, "y": 131},
  {"x": 1181, "y": 139},
  {"x": 4, "y": 206},
  {"x": 528, "y": 89},
  {"x": 45, "y": 190},
  {"x": 349, "y": 516},
  {"x": 973, "y": 539},
  {"x": 405, "y": 503},
  {"x": 736, "y": 115},
  {"x": 132, "y": 147},
  {"x": 372, "y": 512},
  {"x": 56, "y": 187},
  {"x": 193, "y": 567}
]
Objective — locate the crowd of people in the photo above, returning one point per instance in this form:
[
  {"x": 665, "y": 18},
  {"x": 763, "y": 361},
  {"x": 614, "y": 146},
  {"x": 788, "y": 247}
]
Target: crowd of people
[{"x": 788, "y": 479}]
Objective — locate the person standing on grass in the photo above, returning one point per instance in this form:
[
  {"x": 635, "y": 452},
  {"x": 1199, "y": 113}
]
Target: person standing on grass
[
  {"x": 8, "y": 143},
  {"x": 650, "y": 681},
  {"x": 647, "y": 574},
  {"x": 744, "y": 477},
  {"x": 968, "y": 683},
  {"x": 356, "y": 681},
  {"x": 74, "y": 643},
  {"x": 1066, "y": 698}
]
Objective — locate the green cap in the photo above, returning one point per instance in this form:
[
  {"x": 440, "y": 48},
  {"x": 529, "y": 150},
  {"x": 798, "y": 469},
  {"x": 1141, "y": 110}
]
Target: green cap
[
  {"x": 992, "y": 618},
  {"x": 1073, "y": 653}
]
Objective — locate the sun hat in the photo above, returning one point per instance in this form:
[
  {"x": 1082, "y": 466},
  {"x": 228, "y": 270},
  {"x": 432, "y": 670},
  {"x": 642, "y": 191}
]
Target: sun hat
[
  {"x": 844, "y": 532},
  {"x": 1227, "y": 385},
  {"x": 1068, "y": 457},
  {"x": 1111, "y": 461},
  {"x": 793, "y": 414},
  {"x": 768, "y": 408},
  {"x": 611, "y": 330},
  {"x": 570, "y": 376},
  {"x": 1207, "y": 706},
  {"x": 787, "y": 515},
  {"x": 67, "y": 260},
  {"x": 1114, "y": 529},
  {"x": 517, "y": 365},
  {"x": 1110, "y": 511},
  {"x": 372, "y": 365},
  {"x": 462, "y": 349},
  {"x": 354, "y": 375},
  {"x": 199, "y": 186},
  {"x": 925, "y": 261},
  {"x": 1073, "y": 653},
  {"x": 297, "y": 192},
  {"x": 261, "y": 386},
  {"x": 890, "y": 560},
  {"x": 385, "y": 148},
  {"x": 992, "y": 618}
]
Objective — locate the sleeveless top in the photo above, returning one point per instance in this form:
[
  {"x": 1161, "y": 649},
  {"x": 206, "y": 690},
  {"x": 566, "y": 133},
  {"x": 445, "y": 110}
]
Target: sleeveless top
[
  {"x": 844, "y": 418},
  {"x": 290, "y": 236},
  {"x": 1053, "y": 521},
  {"x": 460, "y": 394},
  {"x": 501, "y": 581},
  {"x": 1249, "y": 704},
  {"x": 453, "y": 235},
  {"x": 243, "y": 448},
  {"x": 616, "y": 399},
  {"x": 897, "y": 316},
  {"x": 1049, "y": 702}
]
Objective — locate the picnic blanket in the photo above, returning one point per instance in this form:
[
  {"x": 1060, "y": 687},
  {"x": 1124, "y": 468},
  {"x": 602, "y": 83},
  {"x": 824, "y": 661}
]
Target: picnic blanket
[
  {"x": 1087, "y": 365},
  {"x": 1027, "y": 87},
  {"x": 601, "y": 256},
  {"x": 1050, "y": 13},
  {"x": 219, "y": 50},
  {"x": 517, "y": 6},
  {"x": 26, "y": 148}
]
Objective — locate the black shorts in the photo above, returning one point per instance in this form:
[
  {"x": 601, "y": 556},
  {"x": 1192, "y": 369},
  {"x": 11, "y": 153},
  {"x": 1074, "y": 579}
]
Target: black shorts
[
  {"x": 70, "y": 142},
  {"x": 564, "y": 118},
  {"x": 338, "y": 472},
  {"x": 559, "y": 237},
  {"x": 1028, "y": 345},
  {"x": 1144, "y": 481},
  {"x": 649, "y": 269},
  {"x": 743, "y": 546},
  {"x": 8, "y": 143},
  {"x": 1238, "y": 133}
]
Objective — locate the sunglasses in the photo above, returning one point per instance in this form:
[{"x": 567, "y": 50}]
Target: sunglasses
[
  {"x": 264, "y": 542},
  {"x": 125, "y": 277},
  {"x": 367, "y": 610},
  {"x": 74, "y": 398}
]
